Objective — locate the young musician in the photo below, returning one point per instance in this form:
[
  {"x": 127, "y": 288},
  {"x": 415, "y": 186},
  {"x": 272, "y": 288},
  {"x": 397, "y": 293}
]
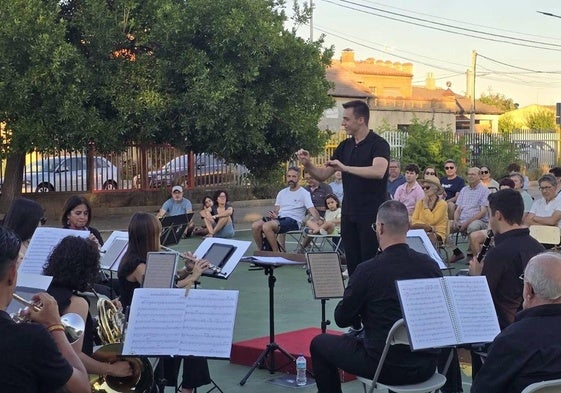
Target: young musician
[
  {"x": 36, "y": 356},
  {"x": 144, "y": 236},
  {"x": 74, "y": 265},
  {"x": 77, "y": 214}
]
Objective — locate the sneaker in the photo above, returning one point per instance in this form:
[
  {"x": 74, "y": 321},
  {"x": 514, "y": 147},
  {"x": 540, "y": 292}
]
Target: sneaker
[
  {"x": 322, "y": 231},
  {"x": 308, "y": 231},
  {"x": 456, "y": 257}
]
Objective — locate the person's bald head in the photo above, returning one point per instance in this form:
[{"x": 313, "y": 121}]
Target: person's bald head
[{"x": 542, "y": 280}]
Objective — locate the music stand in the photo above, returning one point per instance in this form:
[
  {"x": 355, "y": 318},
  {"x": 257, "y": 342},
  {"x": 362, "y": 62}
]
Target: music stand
[
  {"x": 272, "y": 346},
  {"x": 173, "y": 228},
  {"x": 324, "y": 269}
]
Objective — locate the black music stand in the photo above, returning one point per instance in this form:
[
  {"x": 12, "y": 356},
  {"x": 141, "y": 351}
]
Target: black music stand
[
  {"x": 173, "y": 228},
  {"x": 270, "y": 349}
]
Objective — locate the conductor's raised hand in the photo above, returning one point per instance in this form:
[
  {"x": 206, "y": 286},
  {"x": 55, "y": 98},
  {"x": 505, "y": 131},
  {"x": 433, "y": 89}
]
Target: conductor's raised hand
[
  {"x": 48, "y": 310},
  {"x": 337, "y": 165},
  {"x": 303, "y": 156}
]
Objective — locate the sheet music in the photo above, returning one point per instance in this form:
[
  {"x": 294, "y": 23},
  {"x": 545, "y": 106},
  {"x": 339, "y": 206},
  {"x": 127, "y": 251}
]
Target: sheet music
[
  {"x": 325, "y": 272},
  {"x": 427, "y": 246},
  {"x": 165, "y": 322},
  {"x": 160, "y": 270},
  {"x": 426, "y": 313},
  {"x": 113, "y": 250},
  {"x": 474, "y": 306},
  {"x": 42, "y": 243},
  {"x": 270, "y": 260}
]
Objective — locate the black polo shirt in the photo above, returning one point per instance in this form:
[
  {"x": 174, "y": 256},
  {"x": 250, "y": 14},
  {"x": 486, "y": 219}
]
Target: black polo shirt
[{"x": 363, "y": 196}]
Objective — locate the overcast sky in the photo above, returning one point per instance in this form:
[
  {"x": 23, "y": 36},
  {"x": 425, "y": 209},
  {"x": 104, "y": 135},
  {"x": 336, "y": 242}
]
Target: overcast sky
[{"x": 363, "y": 25}]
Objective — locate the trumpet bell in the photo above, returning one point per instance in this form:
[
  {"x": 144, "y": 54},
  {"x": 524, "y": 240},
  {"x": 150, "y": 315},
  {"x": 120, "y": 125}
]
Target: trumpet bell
[
  {"x": 74, "y": 326},
  {"x": 141, "y": 381}
]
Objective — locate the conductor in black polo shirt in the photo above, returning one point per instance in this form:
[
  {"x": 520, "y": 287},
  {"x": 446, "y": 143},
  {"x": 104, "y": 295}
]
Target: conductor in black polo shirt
[
  {"x": 371, "y": 298},
  {"x": 363, "y": 161}
]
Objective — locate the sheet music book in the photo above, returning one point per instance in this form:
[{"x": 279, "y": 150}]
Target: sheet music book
[
  {"x": 325, "y": 274},
  {"x": 160, "y": 270},
  {"x": 166, "y": 322},
  {"x": 42, "y": 243},
  {"x": 418, "y": 240},
  {"x": 113, "y": 250},
  {"x": 448, "y": 311}
]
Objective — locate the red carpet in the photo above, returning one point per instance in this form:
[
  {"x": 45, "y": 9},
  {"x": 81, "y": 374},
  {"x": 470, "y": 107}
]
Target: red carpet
[{"x": 295, "y": 342}]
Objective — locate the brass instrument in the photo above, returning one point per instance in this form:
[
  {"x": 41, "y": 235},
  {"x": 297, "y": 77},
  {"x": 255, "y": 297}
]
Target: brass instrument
[
  {"x": 190, "y": 263},
  {"x": 110, "y": 329},
  {"x": 73, "y": 323}
]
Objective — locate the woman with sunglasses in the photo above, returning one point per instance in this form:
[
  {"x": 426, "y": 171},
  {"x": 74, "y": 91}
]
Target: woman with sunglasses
[
  {"x": 23, "y": 217},
  {"x": 430, "y": 171},
  {"x": 77, "y": 214},
  {"x": 487, "y": 180},
  {"x": 430, "y": 213}
]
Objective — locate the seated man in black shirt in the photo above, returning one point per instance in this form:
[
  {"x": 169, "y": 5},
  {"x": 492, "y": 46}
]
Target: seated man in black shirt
[
  {"x": 371, "y": 298},
  {"x": 528, "y": 350},
  {"x": 37, "y": 356}
]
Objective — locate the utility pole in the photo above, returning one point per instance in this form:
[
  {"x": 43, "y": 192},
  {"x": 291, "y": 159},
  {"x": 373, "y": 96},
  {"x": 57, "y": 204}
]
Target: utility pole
[
  {"x": 472, "y": 83},
  {"x": 311, "y": 21}
]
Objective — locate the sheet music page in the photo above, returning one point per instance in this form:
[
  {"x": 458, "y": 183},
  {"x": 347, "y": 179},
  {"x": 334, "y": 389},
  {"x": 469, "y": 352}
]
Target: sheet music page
[
  {"x": 428, "y": 248},
  {"x": 426, "y": 313},
  {"x": 325, "y": 272},
  {"x": 42, "y": 243},
  {"x": 165, "y": 322},
  {"x": 476, "y": 315},
  {"x": 113, "y": 249},
  {"x": 160, "y": 270}
]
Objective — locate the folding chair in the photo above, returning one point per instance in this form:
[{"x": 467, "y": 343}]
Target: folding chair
[
  {"x": 398, "y": 335},
  {"x": 546, "y": 234},
  {"x": 553, "y": 386}
]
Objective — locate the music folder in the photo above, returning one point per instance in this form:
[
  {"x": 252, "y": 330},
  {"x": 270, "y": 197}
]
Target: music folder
[
  {"x": 160, "y": 270},
  {"x": 447, "y": 311},
  {"x": 325, "y": 274},
  {"x": 113, "y": 250}
]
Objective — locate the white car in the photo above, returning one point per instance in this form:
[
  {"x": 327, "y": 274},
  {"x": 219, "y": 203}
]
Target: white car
[{"x": 68, "y": 173}]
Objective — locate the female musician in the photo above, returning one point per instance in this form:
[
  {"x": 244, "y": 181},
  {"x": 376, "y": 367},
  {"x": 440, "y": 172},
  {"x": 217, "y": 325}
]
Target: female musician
[
  {"x": 77, "y": 214},
  {"x": 74, "y": 265},
  {"x": 144, "y": 236},
  {"x": 430, "y": 213},
  {"x": 23, "y": 217}
]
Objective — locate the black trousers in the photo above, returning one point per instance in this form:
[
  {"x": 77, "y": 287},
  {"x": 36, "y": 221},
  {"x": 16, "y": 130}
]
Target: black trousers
[
  {"x": 195, "y": 371},
  {"x": 331, "y": 352},
  {"x": 360, "y": 241}
]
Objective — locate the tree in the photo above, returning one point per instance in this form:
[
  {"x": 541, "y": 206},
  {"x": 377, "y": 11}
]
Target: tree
[
  {"x": 542, "y": 120},
  {"x": 499, "y": 100}
]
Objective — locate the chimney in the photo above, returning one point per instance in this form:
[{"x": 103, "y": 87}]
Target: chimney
[
  {"x": 430, "y": 82},
  {"x": 348, "y": 57}
]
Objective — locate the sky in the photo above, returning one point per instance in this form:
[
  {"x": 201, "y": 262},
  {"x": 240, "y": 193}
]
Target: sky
[{"x": 529, "y": 73}]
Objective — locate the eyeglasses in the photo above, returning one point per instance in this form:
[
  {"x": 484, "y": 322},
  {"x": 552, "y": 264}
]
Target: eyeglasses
[
  {"x": 373, "y": 226},
  {"x": 43, "y": 221},
  {"x": 545, "y": 188},
  {"x": 449, "y": 167},
  {"x": 484, "y": 172},
  {"x": 426, "y": 187},
  {"x": 521, "y": 276},
  {"x": 430, "y": 173}
]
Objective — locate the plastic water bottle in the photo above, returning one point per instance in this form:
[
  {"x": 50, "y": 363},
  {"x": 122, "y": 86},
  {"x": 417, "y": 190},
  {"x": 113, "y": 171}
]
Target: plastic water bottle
[{"x": 301, "y": 378}]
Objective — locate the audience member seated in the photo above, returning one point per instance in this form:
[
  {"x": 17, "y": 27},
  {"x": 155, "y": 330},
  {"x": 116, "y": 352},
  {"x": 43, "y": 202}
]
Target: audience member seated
[
  {"x": 518, "y": 180},
  {"x": 487, "y": 180},
  {"x": 337, "y": 185},
  {"x": 371, "y": 298},
  {"x": 528, "y": 350},
  {"x": 395, "y": 178},
  {"x": 430, "y": 171},
  {"x": 332, "y": 218},
  {"x": 74, "y": 265},
  {"x": 218, "y": 220},
  {"x": 77, "y": 214},
  {"x": 512, "y": 168},
  {"x": 176, "y": 206},
  {"x": 452, "y": 184},
  {"x": 23, "y": 217},
  {"x": 318, "y": 191},
  {"x": 144, "y": 236},
  {"x": 410, "y": 192},
  {"x": 206, "y": 217},
  {"x": 546, "y": 210},
  {"x": 556, "y": 171},
  {"x": 431, "y": 212},
  {"x": 37, "y": 356},
  {"x": 471, "y": 209},
  {"x": 288, "y": 214}
]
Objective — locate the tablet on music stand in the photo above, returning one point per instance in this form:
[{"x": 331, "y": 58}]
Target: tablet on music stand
[
  {"x": 160, "y": 270},
  {"x": 219, "y": 253},
  {"x": 173, "y": 228}
]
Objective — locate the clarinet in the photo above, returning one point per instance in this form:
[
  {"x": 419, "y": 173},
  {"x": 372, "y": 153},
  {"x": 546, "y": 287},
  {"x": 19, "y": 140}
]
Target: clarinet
[{"x": 485, "y": 246}]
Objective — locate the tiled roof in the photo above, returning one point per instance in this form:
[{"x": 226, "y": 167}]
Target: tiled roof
[
  {"x": 344, "y": 85},
  {"x": 464, "y": 106}
]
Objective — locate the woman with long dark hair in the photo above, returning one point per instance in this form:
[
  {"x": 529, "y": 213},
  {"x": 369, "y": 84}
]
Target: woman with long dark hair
[
  {"x": 77, "y": 214},
  {"x": 23, "y": 217}
]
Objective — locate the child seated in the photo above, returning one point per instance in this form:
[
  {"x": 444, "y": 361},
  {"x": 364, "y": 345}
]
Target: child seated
[{"x": 332, "y": 220}]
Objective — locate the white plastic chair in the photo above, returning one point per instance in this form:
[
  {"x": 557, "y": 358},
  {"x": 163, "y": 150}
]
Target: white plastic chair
[
  {"x": 398, "y": 335},
  {"x": 546, "y": 234},
  {"x": 553, "y": 386}
]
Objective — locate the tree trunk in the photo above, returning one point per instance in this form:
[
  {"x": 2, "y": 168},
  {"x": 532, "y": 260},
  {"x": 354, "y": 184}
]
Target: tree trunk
[{"x": 11, "y": 187}]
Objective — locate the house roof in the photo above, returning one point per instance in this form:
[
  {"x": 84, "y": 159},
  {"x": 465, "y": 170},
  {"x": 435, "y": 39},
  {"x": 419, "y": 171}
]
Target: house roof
[
  {"x": 464, "y": 106},
  {"x": 344, "y": 86}
]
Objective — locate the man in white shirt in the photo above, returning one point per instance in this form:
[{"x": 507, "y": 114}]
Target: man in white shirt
[
  {"x": 546, "y": 210},
  {"x": 289, "y": 212}
]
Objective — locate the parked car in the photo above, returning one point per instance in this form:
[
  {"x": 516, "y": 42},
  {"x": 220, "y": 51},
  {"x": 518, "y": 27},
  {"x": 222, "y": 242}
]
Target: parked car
[
  {"x": 208, "y": 170},
  {"x": 68, "y": 173},
  {"x": 536, "y": 153}
]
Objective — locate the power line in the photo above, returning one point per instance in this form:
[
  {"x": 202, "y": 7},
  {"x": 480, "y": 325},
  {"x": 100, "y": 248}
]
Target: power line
[
  {"x": 445, "y": 30},
  {"x": 517, "y": 67}
]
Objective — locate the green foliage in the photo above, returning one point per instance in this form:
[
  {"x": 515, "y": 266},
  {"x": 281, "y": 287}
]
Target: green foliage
[
  {"x": 541, "y": 120},
  {"x": 429, "y": 146},
  {"x": 508, "y": 124},
  {"x": 497, "y": 99},
  {"x": 495, "y": 151}
]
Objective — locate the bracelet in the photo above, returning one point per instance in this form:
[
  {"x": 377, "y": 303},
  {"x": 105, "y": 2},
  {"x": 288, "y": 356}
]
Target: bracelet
[{"x": 56, "y": 327}]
